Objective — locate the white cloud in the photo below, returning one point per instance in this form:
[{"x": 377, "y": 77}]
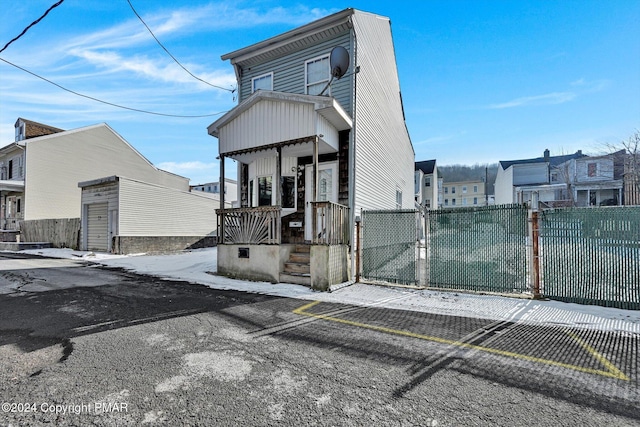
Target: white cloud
[
  {"x": 185, "y": 167},
  {"x": 546, "y": 99}
]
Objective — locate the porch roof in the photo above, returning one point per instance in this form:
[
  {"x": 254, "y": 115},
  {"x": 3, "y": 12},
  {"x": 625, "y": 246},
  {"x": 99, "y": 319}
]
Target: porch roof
[
  {"x": 11, "y": 185},
  {"x": 268, "y": 119}
]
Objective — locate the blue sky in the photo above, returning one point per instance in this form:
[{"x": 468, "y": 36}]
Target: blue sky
[{"x": 482, "y": 81}]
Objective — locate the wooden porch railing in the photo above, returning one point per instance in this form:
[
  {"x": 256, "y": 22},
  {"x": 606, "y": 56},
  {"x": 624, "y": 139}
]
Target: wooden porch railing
[
  {"x": 330, "y": 223},
  {"x": 254, "y": 226}
]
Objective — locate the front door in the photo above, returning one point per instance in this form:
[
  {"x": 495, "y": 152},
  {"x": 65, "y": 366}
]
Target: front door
[{"x": 327, "y": 191}]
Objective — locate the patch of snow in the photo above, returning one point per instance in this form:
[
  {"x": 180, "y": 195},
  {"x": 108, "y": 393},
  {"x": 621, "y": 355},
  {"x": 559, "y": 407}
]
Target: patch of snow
[{"x": 199, "y": 266}]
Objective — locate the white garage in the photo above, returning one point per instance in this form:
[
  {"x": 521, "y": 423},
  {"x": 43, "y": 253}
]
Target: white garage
[{"x": 123, "y": 215}]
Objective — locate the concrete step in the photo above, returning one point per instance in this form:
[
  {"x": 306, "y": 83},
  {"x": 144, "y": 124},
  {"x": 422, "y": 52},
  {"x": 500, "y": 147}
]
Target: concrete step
[
  {"x": 297, "y": 267},
  {"x": 300, "y": 257},
  {"x": 296, "y": 278}
]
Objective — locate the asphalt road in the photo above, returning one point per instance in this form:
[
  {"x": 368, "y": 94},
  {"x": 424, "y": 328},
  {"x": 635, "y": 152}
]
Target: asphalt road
[{"x": 86, "y": 345}]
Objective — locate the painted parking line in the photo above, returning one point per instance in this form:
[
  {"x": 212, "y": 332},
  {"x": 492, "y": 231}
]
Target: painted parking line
[{"x": 610, "y": 370}]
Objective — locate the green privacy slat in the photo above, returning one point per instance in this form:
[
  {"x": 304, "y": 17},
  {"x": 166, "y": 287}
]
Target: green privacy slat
[
  {"x": 389, "y": 240},
  {"x": 478, "y": 249},
  {"x": 592, "y": 255}
]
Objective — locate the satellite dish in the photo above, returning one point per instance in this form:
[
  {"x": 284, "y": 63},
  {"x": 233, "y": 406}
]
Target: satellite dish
[{"x": 339, "y": 61}]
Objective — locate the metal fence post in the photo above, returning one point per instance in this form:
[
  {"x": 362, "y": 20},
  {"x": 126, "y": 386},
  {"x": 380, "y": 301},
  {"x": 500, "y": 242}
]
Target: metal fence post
[
  {"x": 535, "y": 259},
  {"x": 358, "y": 220}
]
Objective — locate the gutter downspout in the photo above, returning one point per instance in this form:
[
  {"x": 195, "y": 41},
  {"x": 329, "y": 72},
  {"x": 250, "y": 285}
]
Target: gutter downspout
[{"x": 352, "y": 155}]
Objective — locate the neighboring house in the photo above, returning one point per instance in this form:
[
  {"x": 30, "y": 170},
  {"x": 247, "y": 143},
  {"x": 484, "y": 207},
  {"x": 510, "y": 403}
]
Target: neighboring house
[
  {"x": 464, "y": 194},
  {"x": 12, "y": 172},
  {"x": 230, "y": 189},
  {"x": 589, "y": 181},
  {"x": 308, "y": 161},
  {"x": 518, "y": 180},
  {"x": 122, "y": 215},
  {"x": 426, "y": 184},
  {"x": 45, "y": 177}
]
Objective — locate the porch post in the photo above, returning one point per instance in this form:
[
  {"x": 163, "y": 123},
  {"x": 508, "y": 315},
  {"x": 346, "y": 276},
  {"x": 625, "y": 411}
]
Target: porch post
[
  {"x": 619, "y": 196},
  {"x": 315, "y": 169},
  {"x": 221, "y": 225},
  {"x": 277, "y": 187},
  {"x": 314, "y": 216}
]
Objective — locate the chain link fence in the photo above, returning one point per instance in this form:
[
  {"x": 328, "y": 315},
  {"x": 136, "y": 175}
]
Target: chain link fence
[
  {"x": 478, "y": 249},
  {"x": 591, "y": 255},
  {"x": 389, "y": 245},
  {"x": 583, "y": 255}
]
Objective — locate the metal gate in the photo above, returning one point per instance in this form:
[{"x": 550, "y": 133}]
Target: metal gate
[
  {"x": 97, "y": 227},
  {"x": 389, "y": 246},
  {"x": 478, "y": 249}
]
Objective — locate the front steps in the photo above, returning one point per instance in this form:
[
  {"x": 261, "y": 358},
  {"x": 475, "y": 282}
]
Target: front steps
[{"x": 298, "y": 268}]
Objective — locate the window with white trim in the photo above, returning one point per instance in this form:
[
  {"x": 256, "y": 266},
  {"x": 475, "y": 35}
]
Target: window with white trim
[
  {"x": 398, "y": 199},
  {"x": 317, "y": 73},
  {"x": 264, "y": 82},
  {"x": 264, "y": 191}
]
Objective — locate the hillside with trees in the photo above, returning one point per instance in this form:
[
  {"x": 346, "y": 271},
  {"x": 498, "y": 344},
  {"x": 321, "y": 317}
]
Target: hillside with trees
[{"x": 477, "y": 172}]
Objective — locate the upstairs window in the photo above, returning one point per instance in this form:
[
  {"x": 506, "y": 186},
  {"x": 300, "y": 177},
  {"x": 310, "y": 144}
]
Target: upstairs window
[
  {"x": 592, "y": 169},
  {"x": 453, "y": 190},
  {"x": 464, "y": 189},
  {"x": 317, "y": 75},
  {"x": 475, "y": 188},
  {"x": 427, "y": 181},
  {"x": 398, "y": 199},
  {"x": 264, "y": 82}
]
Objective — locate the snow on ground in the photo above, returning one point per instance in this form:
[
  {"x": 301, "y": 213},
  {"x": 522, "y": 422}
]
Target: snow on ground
[{"x": 200, "y": 266}]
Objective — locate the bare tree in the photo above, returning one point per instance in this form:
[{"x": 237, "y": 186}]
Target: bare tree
[{"x": 627, "y": 161}]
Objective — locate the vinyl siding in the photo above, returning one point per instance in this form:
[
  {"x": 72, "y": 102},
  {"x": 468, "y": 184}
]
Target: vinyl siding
[
  {"x": 57, "y": 163},
  {"x": 151, "y": 210},
  {"x": 268, "y": 122},
  {"x": 384, "y": 154},
  {"x": 503, "y": 186},
  {"x": 289, "y": 72}
]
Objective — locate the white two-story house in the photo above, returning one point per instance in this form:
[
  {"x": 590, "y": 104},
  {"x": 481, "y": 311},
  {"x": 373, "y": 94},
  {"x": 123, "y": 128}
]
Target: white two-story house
[
  {"x": 426, "y": 184},
  {"x": 312, "y": 151},
  {"x": 518, "y": 180},
  {"x": 590, "y": 181}
]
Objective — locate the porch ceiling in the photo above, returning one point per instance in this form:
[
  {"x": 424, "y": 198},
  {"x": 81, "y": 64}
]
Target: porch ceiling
[{"x": 269, "y": 119}]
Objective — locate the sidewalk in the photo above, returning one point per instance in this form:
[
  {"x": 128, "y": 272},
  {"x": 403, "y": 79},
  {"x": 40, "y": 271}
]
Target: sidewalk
[{"x": 200, "y": 266}]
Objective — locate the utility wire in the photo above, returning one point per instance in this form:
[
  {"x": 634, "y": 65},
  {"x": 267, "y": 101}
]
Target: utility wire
[
  {"x": 106, "y": 102},
  {"x": 173, "y": 57},
  {"x": 31, "y": 25}
]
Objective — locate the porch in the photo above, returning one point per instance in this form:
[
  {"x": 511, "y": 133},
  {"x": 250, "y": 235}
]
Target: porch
[
  {"x": 293, "y": 223},
  {"x": 11, "y": 206},
  {"x": 251, "y": 246}
]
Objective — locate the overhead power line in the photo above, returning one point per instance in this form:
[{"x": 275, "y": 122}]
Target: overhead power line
[
  {"x": 31, "y": 25},
  {"x": 106, "y": 102},
  {"x": 169, "y": 53}
]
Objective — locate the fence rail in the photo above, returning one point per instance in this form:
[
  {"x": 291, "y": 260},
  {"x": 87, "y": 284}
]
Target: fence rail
[
  {"x": 331, "y": 222},
  {"x": 256, "y": 226}
]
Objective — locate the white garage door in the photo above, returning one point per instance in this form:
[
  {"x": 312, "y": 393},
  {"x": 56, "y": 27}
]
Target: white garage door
[{"x": 97, "y": 227}]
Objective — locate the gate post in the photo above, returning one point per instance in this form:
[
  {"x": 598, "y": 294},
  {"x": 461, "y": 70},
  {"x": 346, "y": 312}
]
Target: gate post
[
  {"x": 358, "y": 221},
  {"x": 535, "y": 259}
]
